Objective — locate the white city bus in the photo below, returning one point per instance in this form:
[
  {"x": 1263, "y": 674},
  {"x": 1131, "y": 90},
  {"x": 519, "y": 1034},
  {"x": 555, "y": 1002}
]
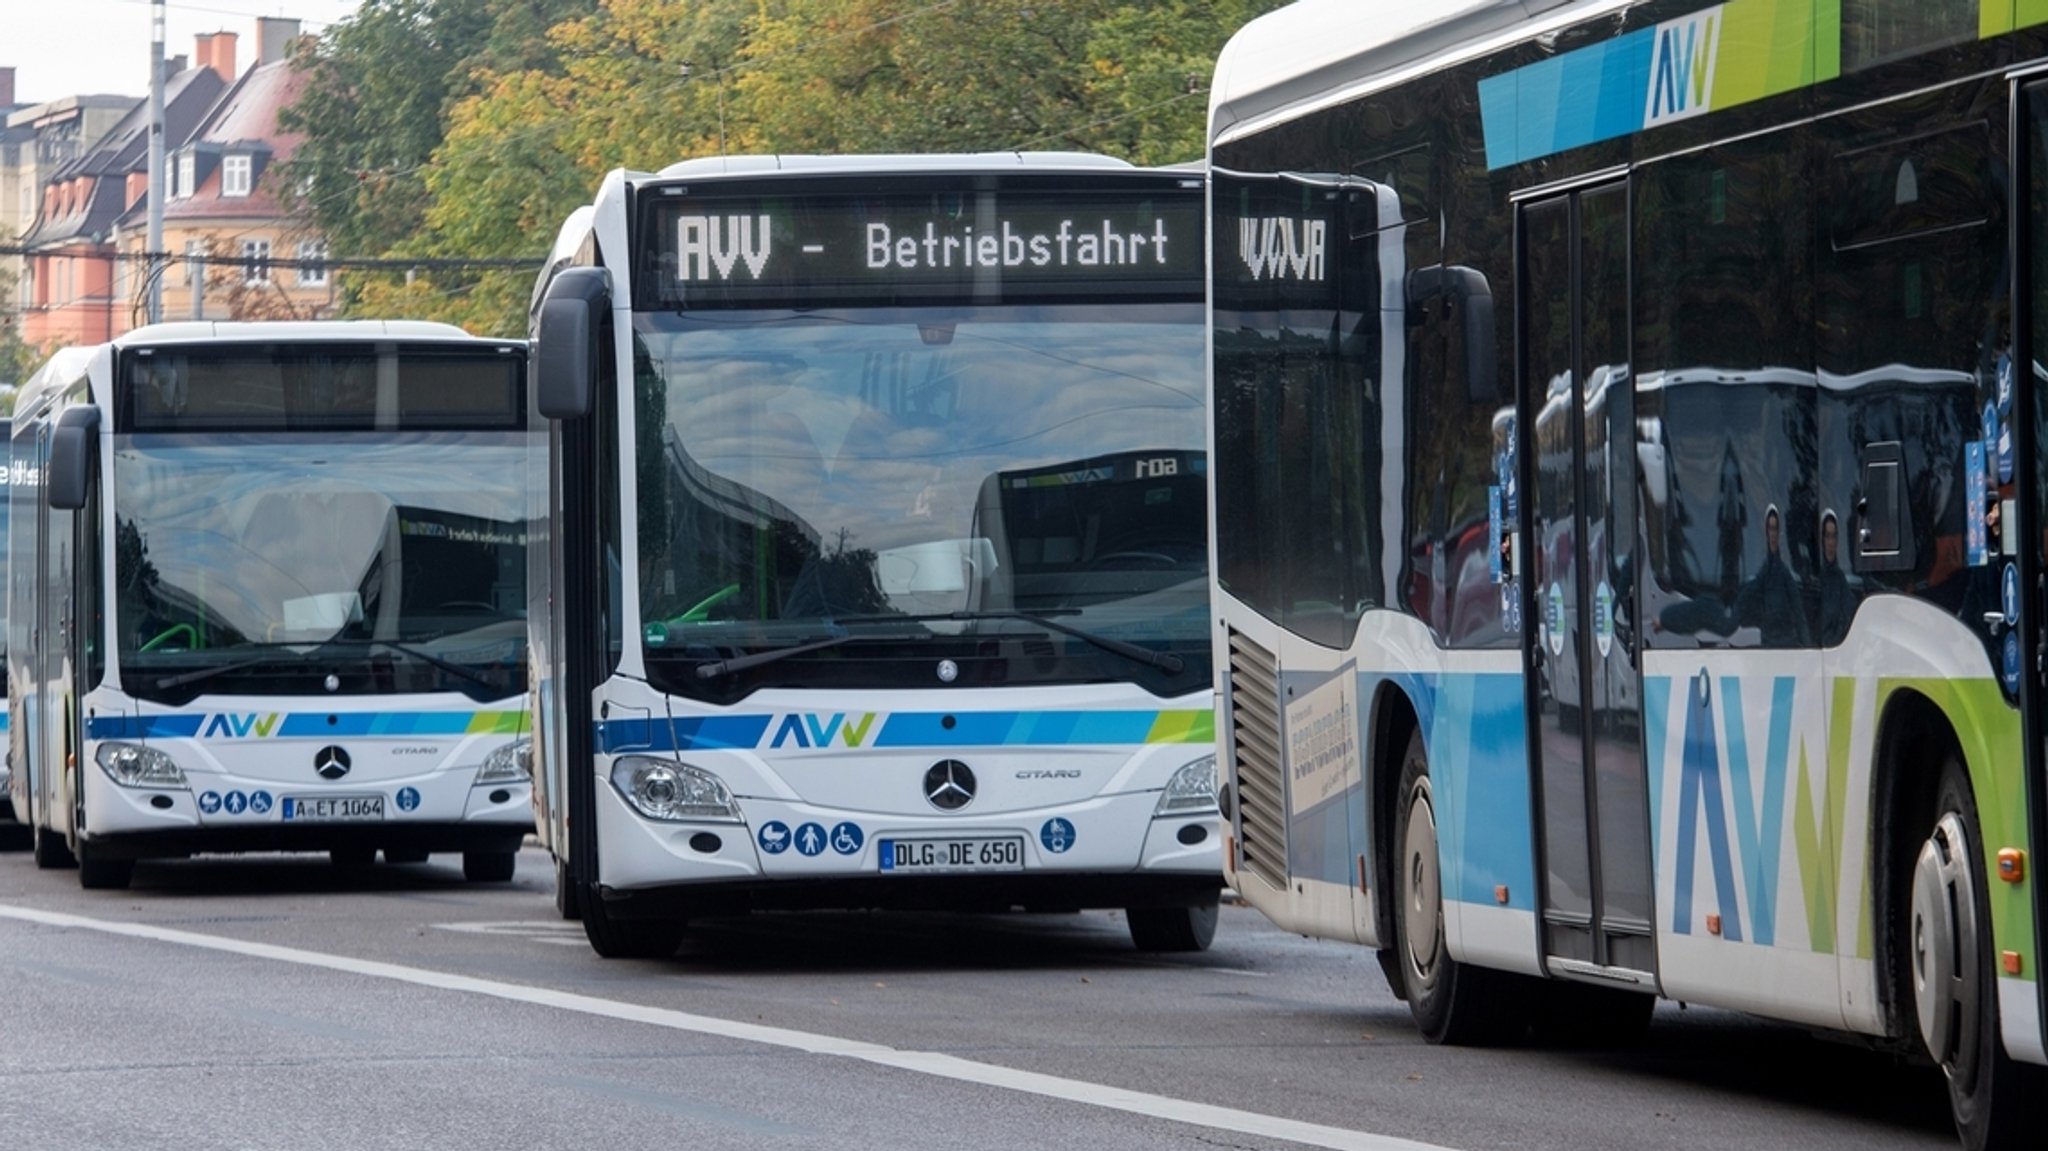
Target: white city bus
[
  {"x": 877, "y": 562},
  {"x": 9, "y": 824},
  {"x": 1629, "y": 519},
  {"x": 266, "y": 593}
]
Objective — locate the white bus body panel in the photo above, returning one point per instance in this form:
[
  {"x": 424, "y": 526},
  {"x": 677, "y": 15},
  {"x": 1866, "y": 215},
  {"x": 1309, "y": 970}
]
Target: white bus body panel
[
  {"x": 243, "y": 756},
  {"x": 809, "y": 758}
]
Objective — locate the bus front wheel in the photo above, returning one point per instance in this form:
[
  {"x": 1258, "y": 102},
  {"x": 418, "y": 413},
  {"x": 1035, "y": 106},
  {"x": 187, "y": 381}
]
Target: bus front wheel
[
  {"x": 97, "y": 873},
  {"x": 489, "y": 866},
  {"x": 1453, "y": 1003},
  {"x": 1173, "y": 928},
  {"x": 1997, "y": 1102},
  {"x": 614, "y": 937}
]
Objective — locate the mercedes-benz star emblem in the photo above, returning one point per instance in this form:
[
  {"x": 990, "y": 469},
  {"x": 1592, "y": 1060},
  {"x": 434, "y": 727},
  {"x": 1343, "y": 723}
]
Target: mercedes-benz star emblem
[
  {"x": 949, "y": 785},
  {"x": 331, "y": 762}
]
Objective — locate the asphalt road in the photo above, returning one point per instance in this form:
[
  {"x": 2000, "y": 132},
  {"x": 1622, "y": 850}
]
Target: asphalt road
[{"x": 272, "y": 1002}]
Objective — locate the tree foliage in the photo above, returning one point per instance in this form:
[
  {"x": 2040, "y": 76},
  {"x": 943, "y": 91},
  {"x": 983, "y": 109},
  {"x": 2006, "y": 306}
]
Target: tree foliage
[
  {"x": 18, "y": 358},
  {"x": 461, "y": 129}
]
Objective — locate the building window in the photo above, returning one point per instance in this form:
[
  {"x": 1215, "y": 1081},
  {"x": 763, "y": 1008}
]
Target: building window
[
  {"x": 188, "y": 175},
  {"x": 234, "y": 176},
  {"x": 255, "y": 261},
  {"x": 312, "y": 267}
]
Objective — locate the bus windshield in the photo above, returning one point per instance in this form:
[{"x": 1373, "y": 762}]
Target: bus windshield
[
  {"x": 260, "y": 563},
  {"x": 802, "y": 470}
]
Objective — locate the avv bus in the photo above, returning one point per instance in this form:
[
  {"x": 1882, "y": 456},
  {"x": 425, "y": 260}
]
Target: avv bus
[
  {"x": 1630, "y": 499},
  {"x": 266, "y": 592},
  {"x": 876, "y": 565}
]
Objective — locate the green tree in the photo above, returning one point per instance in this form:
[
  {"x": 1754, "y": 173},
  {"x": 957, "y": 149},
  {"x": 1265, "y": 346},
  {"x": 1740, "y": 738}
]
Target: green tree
[
  {"x": 18, "y": 358},
  {"x": 380, "y": 88}
]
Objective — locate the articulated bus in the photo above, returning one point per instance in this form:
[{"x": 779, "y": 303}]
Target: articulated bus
[
  {"x": 877, "y": 562},
  {"x": 1630, "y": 503},
  {"x": 266, "y": 592}
]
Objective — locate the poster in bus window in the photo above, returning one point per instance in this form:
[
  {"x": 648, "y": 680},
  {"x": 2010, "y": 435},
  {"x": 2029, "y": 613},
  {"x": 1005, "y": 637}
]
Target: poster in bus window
[
  {"x": 1493, "y": 532},
  {"x": 1974, "y": 484}
]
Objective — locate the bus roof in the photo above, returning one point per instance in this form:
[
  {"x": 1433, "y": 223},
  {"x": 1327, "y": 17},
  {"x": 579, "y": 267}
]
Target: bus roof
[
  {"x": 287, "y": 331},
  {"x": 1316, "y": 52},
  {"x": 885, "y": 163},
  {"x": 68, "y": 364}
]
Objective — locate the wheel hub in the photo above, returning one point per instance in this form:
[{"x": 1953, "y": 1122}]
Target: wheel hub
[
  {"x": 1422, "y": 902},
  {"x": 1945, "y": 970}
]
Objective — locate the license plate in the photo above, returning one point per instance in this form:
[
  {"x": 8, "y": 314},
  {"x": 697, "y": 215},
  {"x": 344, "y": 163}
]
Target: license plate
[
  {"x": 333, "y": 808},
  {"x": 927, "y": 856}
]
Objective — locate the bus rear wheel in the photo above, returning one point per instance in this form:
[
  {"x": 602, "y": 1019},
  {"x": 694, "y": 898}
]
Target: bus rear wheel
[
  {"x": 568, "y": 893},
  {"x": 1453, "y": 1003},
  {"x": 50, "y": 852},
  {"x": 1173, "y": 928},
  {"x": 1996, "y": 1101},
  {"x": 614, "y": 937}
]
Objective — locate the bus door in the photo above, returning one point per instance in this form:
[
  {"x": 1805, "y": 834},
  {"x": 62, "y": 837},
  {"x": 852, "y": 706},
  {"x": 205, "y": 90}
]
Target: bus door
[
  {"x": 2024, "y": 393},
  {"x": 1577, "y": 437},
  {"x": 54, "y": 531}
]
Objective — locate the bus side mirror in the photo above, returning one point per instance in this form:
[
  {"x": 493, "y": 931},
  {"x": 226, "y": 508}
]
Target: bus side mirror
[
  {"x": 565, "y": 341},
  {"x": 1467, "y": 297},
  {"x": 73, "y": 454}
]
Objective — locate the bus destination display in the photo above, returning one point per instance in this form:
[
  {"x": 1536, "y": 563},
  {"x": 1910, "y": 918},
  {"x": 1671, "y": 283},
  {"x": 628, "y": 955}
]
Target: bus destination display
[{"x": 973, "y": 246}]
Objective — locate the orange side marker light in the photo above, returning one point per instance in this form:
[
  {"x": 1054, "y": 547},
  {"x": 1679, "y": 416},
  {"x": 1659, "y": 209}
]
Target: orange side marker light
[
  {"x": 2012, "y": 864},
  {"x": 1713, "y": 925},
  {"x": 1500, "y": 894},
  {"x": 2010, "y": 960}
]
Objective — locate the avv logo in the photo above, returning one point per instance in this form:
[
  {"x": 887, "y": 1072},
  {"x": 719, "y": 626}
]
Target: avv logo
[
  {"x": 710, "y": 247},
  {"x": 240, "y": 726},
  {"x": 820, "y": 730},
  {"x": 1682, "y": 59},
  {"x": 1279, "y": 248}
]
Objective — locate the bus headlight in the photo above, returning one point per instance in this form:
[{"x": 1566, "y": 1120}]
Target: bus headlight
[
  {"x": 1191, "y": 790},
  {"x": 664, "y": 789},
  {"x": 511, "y": 763},
  {"x": 133, "y": 765}
]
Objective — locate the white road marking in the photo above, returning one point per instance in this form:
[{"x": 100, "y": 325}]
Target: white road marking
[{"x": 923, "y": 1062}]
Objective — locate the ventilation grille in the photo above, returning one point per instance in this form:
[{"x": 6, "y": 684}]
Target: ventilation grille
[{"x": 1255, "y": 741}]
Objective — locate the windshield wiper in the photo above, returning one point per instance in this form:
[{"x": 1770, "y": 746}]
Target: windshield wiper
[
  {"x": 719, "y": 667},
  {"x": 276, "y": 655},
  {"x": 1170, "y": 664},
  {"x": 451, "y": 667}
]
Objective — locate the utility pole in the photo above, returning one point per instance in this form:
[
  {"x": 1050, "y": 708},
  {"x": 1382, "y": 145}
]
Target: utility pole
[{"x": 152, "y": 265}]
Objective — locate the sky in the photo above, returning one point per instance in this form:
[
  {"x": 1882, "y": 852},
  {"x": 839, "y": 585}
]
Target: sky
[{"x": 77, "y": 47}]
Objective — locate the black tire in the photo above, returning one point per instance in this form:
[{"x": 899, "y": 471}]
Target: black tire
[
  {"x": 1173, "y": 928},
  {"x": 1581, "y": 1015},
  {"x": 1997, "y": 1102},
  {"x": 615, "y": 938},
  {"x": 352, "y": 858},
  {"x": 1453, "y": 1003},
  {"x": 489, "y": 866},
  {"x": 568, "y": 895},
  {"x": 406, "y": 855},
  {"x": 97, "y": 873},
  {"x": 50, "y": 851}
]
